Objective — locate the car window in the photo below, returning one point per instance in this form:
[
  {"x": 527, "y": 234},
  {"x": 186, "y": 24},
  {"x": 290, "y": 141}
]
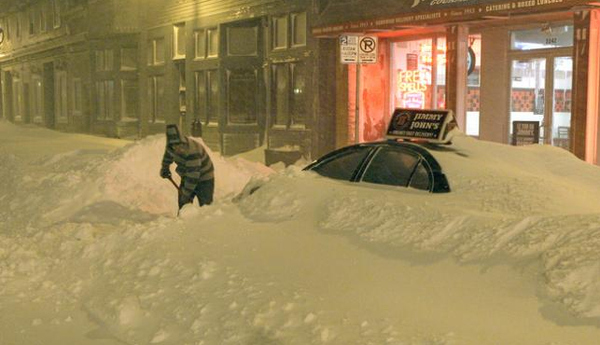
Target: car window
[
  {"x": 342, "y": 167},
  {"x": 390, "y": 166},
  {"x": 420, "y": 179}
]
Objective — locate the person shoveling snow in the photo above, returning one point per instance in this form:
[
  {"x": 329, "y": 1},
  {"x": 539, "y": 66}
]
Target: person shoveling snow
[{"x": 193, "y": 165}]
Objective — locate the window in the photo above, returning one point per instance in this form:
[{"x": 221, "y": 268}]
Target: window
[
  {"x": 280, "y": 32},
  {"x": 212, "y": 80},
  {"x": 77, "y": 97},
  {"x": 420, "y": 178},
  {"x": 56, "y": 13},
  {"x": 288, "y": 94},
  {"x": 298, "y": 29},
  {"x": 242, "y": 41},
  {"x": 42, "y": 18},
  {"x": 31, "y": 14},
  {"x": 419, "y": 73},
  {"x": 391, "y": 167},
  {"x": 156, "y": 51},
  {"x": 18, "y": 26},
  {"x": 61, "y": 104},
  {"x": 473, "y": 85},
  {"x": 213, "y": 42},
  {"x": 37, "y": 107},
  {"x": 104, "y": 60},
  {"x": 344, "y": 165},
  {"x": 156, "y": 93},
  {"x": 128, "y": 59},
  {"x": 179, "y": 41},
  {"x": 200, "y": 44},
  {"x": 547, "y": 37},
  {"x": 182, "y": 88},
  {"x": 7, "y": 30},
  {"x": 17, "y": 99},
  {"x": 207, "y": 96},
  {"x": 298, "y": 94},
  {"x": 105, "y": 99},
  {"x": 129, "y": 99},
  {"x": 280, "y": 94},
  {"x": 241, "y": 96}
]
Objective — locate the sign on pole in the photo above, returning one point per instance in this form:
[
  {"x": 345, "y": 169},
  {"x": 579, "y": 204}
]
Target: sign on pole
[
  {"x": 349, "y": 49},
  {"x": 358, "y": 49},
  {"x": 367, "y": 49}
]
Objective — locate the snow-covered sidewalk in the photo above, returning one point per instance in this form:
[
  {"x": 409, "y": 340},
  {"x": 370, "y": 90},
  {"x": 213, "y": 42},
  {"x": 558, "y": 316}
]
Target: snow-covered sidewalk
[{"x": 90, "y": 253}]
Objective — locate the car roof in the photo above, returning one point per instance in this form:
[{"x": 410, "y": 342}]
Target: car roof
[{"x": 420, "y": 149}]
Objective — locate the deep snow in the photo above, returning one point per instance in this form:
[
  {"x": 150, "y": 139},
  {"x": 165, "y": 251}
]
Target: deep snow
[{"x": 91, "y": 253}]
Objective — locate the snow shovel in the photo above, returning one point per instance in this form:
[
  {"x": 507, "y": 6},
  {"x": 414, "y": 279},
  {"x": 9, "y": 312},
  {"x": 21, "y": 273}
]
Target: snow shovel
[
  {"x": 174, "y": 184},
  {"x": 178, "y": 191}
]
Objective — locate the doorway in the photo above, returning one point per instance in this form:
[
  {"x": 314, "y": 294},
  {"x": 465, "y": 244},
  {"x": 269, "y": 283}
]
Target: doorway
[
  {"x": 541, "y": 80},
  {"x": 541, "y": 90}
]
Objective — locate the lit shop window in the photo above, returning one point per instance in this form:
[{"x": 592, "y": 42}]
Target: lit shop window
[{"x": 419, "y": 73}]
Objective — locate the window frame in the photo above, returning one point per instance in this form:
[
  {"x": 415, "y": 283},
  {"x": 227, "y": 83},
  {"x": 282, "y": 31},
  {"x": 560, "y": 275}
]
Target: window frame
[
  {"x": 275, "y": 32},
  {"x": 77, "y": 96},
  {"x": 124, "y": 99},
  {"x": 157, "y": 111},
  {"x": 206, "y": 108},
  {"x": 293, "y": 18},
  {"x": 105, "y": 110},
  {"x": 122, "y": 66},
  {"x": 179, "y": 33},
  {"x": 152, "y": 53}
]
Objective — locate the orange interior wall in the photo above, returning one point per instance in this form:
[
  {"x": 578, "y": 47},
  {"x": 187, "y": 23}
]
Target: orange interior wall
[{"x": 374, "y": 96}]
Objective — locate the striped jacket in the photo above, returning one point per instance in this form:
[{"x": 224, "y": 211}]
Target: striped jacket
[{"x": 193, "y": 166}]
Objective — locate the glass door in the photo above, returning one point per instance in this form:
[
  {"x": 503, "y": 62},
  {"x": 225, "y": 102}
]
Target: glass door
[
  {"x": 561, "y": 107},
  {"x": 528, "y": 93},
  {"x": 541, "y": 92}
]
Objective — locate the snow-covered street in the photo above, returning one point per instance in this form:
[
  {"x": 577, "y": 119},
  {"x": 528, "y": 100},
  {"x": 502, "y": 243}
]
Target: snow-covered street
[{"x": 91, "y": 251}]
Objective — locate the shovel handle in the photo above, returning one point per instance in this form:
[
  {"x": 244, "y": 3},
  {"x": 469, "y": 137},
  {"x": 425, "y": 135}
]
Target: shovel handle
[{"x": 173, "y": 182}]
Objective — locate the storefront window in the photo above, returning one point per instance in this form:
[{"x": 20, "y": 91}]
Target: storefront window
[
  {"x": 473, "y": 85},
  {"x": 418, "y": 73}
]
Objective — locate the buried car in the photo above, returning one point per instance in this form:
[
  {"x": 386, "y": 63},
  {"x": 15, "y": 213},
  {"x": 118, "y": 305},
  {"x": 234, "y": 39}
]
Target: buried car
[
  {"x": 393, "y": 162},
  {"x": 388, "y": 162}
]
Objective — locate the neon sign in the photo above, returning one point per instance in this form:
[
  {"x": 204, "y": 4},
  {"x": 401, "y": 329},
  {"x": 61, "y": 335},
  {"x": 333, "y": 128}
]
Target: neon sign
[{"x": 412, "y": 86}]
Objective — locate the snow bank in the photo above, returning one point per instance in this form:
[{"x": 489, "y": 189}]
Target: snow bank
[
  {"x": 507, "y": 204},
  {"x": 90, "y": 252},
  {"x": 123, "y": 185}
]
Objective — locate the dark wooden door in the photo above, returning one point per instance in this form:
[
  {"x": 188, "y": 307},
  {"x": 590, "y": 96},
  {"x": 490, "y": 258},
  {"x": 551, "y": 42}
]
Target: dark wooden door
[{"x": 243, "y": 118}]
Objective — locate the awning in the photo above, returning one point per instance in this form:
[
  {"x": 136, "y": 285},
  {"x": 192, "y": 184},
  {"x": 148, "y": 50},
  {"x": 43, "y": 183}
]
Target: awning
[{"x": 364, "y": 15}]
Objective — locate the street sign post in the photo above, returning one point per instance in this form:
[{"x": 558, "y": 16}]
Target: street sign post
[{"x": 355, "y": 49}]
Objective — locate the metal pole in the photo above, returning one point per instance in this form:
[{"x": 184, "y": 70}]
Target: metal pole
[{"x": 357, "y": 106}]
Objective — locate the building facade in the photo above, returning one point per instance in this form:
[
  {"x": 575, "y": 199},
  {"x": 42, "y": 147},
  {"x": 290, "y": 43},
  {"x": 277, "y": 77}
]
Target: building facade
[
  {"x": 268, "y": 73},
  {"x": 64, "y": 64},
  {"x": 242, "y": 72},
  {"x": 494, "y": 63}
]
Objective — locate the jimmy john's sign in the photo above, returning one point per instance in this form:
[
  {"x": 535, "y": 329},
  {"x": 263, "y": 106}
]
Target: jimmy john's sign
[{"x": 420, "y": 124}]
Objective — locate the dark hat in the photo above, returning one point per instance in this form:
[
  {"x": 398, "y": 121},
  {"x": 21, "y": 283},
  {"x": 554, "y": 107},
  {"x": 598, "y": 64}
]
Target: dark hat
[{"x": 174, "y": 137}]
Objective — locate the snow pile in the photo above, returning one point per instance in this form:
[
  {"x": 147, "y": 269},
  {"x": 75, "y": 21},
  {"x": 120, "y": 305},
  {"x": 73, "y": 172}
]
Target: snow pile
[
  {"x": 90, "y": 185},
  {"x": 510, "y": 204},
  {"x": 90, "y": 252}
]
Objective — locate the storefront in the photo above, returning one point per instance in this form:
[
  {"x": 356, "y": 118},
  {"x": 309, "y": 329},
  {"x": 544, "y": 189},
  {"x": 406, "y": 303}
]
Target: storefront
[{"x": 493, "y": 63}]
